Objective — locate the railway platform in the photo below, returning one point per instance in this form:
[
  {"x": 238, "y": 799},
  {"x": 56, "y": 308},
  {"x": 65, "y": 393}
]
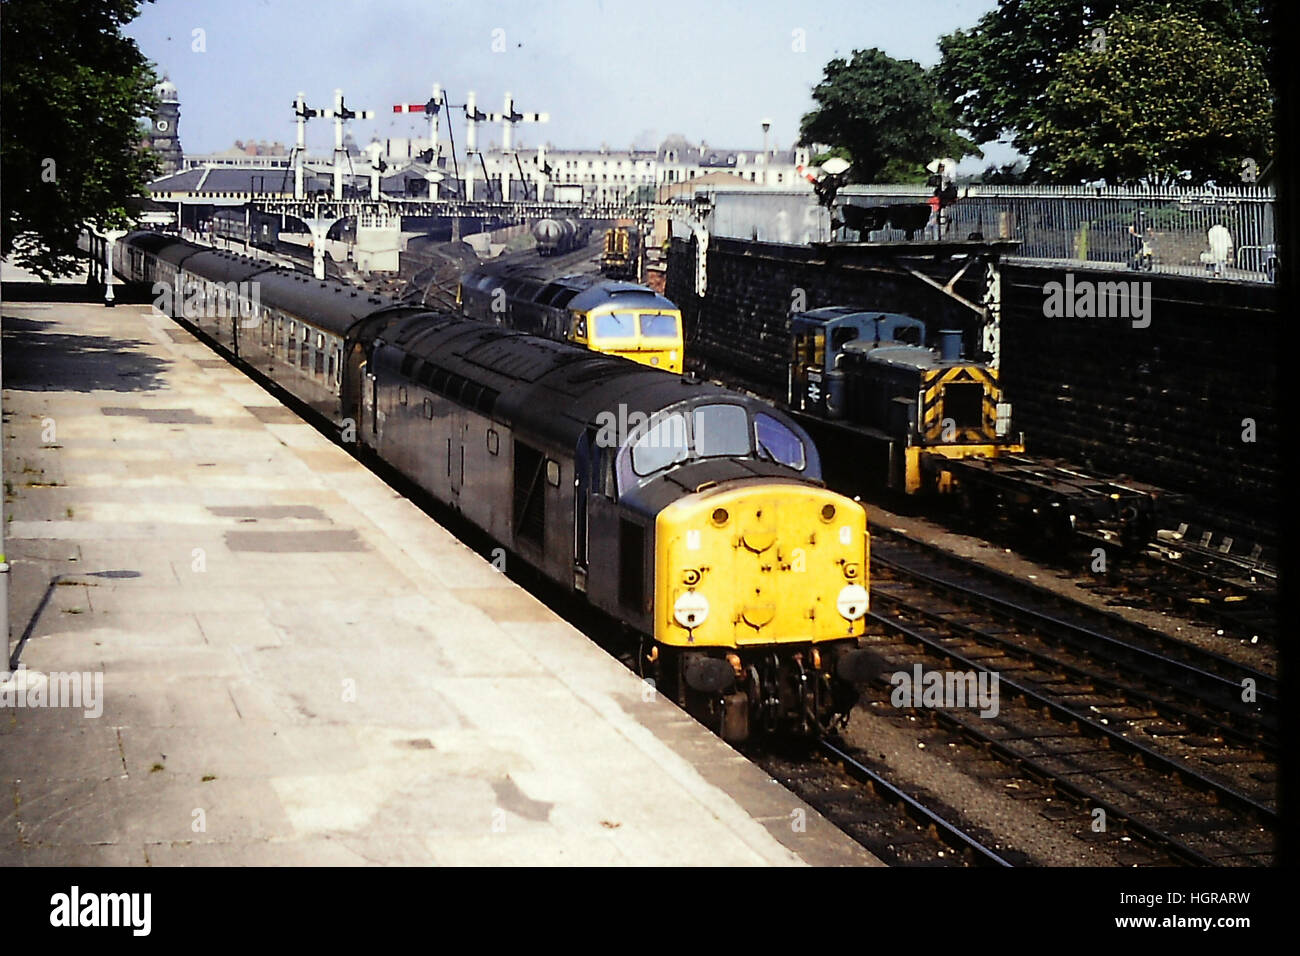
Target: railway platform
[{"x": 244, "y": 648}]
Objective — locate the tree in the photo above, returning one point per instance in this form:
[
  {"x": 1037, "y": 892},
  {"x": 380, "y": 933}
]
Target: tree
[
  {"x": 1164, "y": 97},
  {"x": 997, "y": 73},
  {"x": 72, "y": 93},
  {"x": 886, "y": 113}
]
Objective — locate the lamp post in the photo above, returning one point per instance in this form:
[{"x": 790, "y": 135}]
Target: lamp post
[{"x": 767, "y": 125}]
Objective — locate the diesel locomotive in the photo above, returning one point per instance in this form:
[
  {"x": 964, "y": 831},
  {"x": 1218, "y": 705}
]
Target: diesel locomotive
[
  {"x": 621, "y": 255},
  {"x": 914, "y": 409},
  {"x": 692, "y": 515},
  {"x": 617, "y": 318}
]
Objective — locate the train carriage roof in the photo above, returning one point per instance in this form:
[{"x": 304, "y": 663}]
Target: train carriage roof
[
  {"x": 326, "y": 303},
  {"x": 166, "y": 248},
  {"x": 220, "y": 266},
  {"x": 548, "y": 388},
  {"x": 149, "y": 240}
]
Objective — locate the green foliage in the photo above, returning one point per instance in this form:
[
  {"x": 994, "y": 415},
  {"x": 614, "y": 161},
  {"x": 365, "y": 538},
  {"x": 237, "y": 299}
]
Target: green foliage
[
  {"x": 999, "y": 71},
  {"x": 1166, "y": 96},
  {"x": 886, "y": 114},
  {"x": 71, "y": 93}
]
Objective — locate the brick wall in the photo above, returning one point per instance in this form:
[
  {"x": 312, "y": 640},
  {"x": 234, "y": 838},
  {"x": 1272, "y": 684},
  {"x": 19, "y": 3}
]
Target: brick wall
[{"x": 1164, "y": 404}]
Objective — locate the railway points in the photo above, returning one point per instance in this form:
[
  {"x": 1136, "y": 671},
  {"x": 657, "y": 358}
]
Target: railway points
[{"x": 298, "y": 665}]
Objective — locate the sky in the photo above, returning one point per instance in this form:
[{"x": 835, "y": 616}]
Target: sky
[{"x": 607, "y": 71}]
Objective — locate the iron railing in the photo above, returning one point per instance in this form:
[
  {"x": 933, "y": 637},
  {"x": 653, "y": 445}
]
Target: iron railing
[{"x": 1092, "y": 224}]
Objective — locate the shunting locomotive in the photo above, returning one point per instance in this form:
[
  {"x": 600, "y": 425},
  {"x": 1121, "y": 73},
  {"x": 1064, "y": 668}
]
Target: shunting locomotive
[{"x": 915, "y": 407}]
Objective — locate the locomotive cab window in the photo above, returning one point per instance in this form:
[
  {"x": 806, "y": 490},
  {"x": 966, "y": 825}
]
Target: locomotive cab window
[
  {"x": 777, "y": 442},
  {"x": 663, "y": 444},
  {"x": 721, "y": 431},
  {"x": 616, "y": 325},
  {"x": 907, "y": 335},
  {"x": 808, "y": 347},
  {"x": 841, "y": 336},
  {"x": 658, "y": 326}
]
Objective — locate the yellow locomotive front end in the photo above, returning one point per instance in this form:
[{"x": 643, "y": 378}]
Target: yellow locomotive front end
[
  {"x": 962, "y": 416},
  {"x": 650, "y": 335},
  {"x": 760, "y": 598}
]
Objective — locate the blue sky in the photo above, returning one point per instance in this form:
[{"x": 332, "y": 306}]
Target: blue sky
[{"x": 607, "y": 71}]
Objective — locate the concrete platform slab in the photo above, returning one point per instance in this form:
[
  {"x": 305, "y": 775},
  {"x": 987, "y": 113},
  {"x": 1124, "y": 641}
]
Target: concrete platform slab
[{"x": 297, "y": 665}]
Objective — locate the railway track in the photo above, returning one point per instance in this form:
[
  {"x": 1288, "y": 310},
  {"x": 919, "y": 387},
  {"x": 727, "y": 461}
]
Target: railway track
[
  {"x": 1109, "y": 738},
  {"x": 901, "y": 827},
  {"x": 1233, "y": 591},
  {"x": 1155, "y": 668}
]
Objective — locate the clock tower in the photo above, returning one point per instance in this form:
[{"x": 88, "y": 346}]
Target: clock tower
[{"x": 164, "y": 131}]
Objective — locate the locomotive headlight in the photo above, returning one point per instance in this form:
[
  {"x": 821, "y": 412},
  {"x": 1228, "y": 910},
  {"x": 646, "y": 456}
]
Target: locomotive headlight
[
  {"x": 691, "y": 609},
  {"x": 852, "y": 602}
]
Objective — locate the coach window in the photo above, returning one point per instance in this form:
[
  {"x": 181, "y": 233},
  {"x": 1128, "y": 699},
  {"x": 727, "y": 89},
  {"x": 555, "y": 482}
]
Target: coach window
[
  {"x": 401, "y": 395},
  {"x": 552, "y": 473},
  {"x": 493, "y": 441}
]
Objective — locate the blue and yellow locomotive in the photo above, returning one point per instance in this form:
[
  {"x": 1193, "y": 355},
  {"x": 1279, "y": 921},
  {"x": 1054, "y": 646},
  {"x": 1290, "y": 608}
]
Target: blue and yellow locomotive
[
  {"x": 912, "y": 407},
  {"x": 616, "y": 318}
]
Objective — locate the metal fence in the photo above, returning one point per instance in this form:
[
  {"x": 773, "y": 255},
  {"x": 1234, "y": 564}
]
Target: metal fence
[
  {"x": 1066, "y": 224},
  {"x": 1097, "y": 224}
]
